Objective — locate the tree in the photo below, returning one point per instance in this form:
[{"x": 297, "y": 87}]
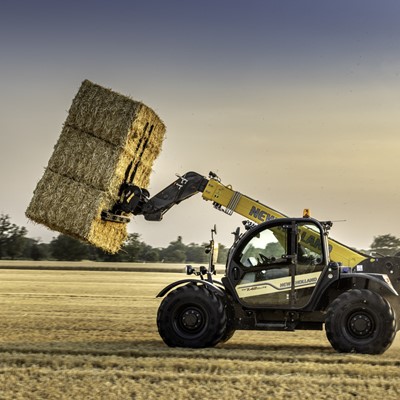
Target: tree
[
  {"x": 222, "y": 254},
  {"x": 152, "y": 255},
  {"x": 66, "y": 248},
  {"x": 196, "y": 253},
  {"x": 16, "y": 243},
  {"x": 387, "y": 245},
  {"x": 34, "y": 250},
  {"x": 12, "y": 236},
  {"x": 133, "y": 250},
  {"x": 131, "y": 247},
  {"x": 148, "y": 253},
  {"x": 175, "y": 252}
]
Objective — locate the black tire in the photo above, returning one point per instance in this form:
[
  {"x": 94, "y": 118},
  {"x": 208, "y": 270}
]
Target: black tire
[
  {"x": 191, "y": 316},
  {"x": 230, "y": 322},
  {"x": 360, "y": 321}
]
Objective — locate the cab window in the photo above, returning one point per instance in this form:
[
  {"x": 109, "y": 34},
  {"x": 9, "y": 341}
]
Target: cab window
[
  {"x": 267, "y": 247},
  {"x": 309, "y": 250}
]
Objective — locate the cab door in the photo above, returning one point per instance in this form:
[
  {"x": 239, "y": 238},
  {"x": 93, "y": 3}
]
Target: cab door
[{"x": 278, "y": 264}]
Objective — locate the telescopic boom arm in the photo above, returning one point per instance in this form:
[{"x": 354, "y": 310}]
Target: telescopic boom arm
[{"x": 138, "y": 202}]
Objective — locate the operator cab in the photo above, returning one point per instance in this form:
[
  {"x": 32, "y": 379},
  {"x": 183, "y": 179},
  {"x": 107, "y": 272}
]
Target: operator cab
[{"x": 278, "y": 263}]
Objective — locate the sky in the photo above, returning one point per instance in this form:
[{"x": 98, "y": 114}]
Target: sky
[{"x": 294, "y": 103}]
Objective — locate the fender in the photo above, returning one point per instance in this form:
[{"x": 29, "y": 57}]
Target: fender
[
  {"x": 382, "y": 279},
  {"x": 215, "y": 286}
]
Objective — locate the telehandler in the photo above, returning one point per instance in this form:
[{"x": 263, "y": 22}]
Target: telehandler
[{"x": 281, "y": 274}]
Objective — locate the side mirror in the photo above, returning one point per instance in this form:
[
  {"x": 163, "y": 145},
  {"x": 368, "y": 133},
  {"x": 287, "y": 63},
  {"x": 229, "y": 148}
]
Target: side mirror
[{"x": 189, "y": 270}]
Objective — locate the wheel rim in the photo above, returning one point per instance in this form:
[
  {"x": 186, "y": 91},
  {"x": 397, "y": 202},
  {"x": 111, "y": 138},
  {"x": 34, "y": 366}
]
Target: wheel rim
[
  {"x": 361, "y": 324},
  {"x": 190, "y": 320}
]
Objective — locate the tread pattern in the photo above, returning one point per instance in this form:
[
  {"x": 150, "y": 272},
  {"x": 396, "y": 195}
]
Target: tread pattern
[
  {"x": 378, "y": 310},
  {"x": 211, "y": 306}
]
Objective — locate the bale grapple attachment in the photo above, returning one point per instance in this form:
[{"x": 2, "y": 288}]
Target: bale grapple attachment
[{"x": 135, "y": 200}]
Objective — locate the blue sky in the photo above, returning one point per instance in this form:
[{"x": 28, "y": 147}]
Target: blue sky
[{"x": 294, "y": 103}]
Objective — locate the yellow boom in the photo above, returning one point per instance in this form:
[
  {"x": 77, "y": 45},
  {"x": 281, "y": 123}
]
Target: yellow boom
[{"x": 233, "y": 201}]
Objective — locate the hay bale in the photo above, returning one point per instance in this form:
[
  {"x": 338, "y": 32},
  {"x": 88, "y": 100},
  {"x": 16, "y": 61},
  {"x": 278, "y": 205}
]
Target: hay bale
[
  {"x": 107, "y": 139},
  {"x": 77, "y": 215},
  {"x": 89, "y": 160},
  {"x": 113, "y": 117}
]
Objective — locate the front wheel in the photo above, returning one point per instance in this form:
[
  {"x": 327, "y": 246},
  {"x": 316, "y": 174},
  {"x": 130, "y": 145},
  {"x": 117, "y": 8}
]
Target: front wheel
[
  {"x": 360, "y": 321},
  {"x": 192, "y": 316}
]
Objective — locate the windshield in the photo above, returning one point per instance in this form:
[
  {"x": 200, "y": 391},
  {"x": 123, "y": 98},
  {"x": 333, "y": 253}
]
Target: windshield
[{"x": 269, "y": 244}]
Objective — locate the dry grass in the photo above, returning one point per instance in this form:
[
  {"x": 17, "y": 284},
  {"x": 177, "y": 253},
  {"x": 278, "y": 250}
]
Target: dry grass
[{"x": 92, "y": 335}]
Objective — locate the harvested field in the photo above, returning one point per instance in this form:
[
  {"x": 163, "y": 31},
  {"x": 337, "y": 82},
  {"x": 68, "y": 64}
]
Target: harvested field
[{"x": 92, "y": 335}]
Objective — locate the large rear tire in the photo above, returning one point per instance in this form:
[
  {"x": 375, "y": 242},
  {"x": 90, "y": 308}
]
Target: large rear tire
[
  {"x": 360, "y": 321},
  {"x": 192, "y": 316}
]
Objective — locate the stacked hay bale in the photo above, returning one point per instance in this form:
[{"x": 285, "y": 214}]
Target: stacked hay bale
[{"x": 107, "y": 139}]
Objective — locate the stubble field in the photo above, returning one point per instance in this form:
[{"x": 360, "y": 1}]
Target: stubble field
[{"x": 93, "y": 335}]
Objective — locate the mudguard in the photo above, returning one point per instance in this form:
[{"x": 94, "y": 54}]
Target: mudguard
[
  {"x": 382, "y": 279},
  {"x": 215, "y": 286},
  {"x": 351, "y": 277}
]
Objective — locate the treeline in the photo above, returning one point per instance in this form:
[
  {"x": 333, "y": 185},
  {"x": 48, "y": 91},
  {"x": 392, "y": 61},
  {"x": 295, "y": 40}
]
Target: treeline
[{"x": 15, "y": 245}]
